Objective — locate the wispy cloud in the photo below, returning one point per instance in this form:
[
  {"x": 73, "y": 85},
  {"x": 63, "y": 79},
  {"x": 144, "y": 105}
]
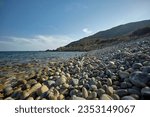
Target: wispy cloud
[
  {"x": 38, "y": 42},
  {"x": 87, "y": 31}
]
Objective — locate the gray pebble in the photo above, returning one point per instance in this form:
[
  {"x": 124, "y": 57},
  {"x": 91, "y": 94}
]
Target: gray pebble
[{"x": 127, "y": 98}]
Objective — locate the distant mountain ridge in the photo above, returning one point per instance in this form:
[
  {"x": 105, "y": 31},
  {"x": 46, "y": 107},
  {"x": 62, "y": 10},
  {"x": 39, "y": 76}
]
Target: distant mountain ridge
[
  {"x": 122, "y": 29},
  {"x": 108, "y": 37}
]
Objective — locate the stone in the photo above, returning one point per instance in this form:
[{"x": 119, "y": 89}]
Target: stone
[
  {"x": 105, "y": 97},
  {"x": 16, "y": 94},
  {"x": 111, "y": 65},
  {"x": 137, "y": 65},
  {"x": 32, "y": 82},
  {"x": 127, "y": 98},
  {"x": 1, "y": 87},
  {"x": 32, "y": 75},
  {"x": 1, "y": 96},
  {"x": 92, "y": 81},
  {"x": 134, "y": 91},
  {"x": 146, "y": 63},
  {"x": 73, "y": 92},
  {"x": 125, "y": 85},
  {"x": 74, "y": 97},
  {"x": 102, "y": 73},
  {"x": 30, "y": 98},
  {"x": 136, "y": 88},
  {"x": 129, "y": 85},
  {"x": 145, "y": 92},
  {"x": 92, "y": 95},
  {"x": 24, "y": 95},
  {"x": 108, "y": 72},
  {"x": 130, "y": 70},
  {"x": 114, "y": 77},
  {"x": 90, "y": 67},
  {"x": 115, "y": 87},
  {"x": 93, "y": 87},
  {"x": 52, "y": 97},
  {"x": 85, "y": 76},
  {"x": 82, "y": 81},
  {"x": 68, "y": 75},
  {"x": 26, "y": 86},
  {"x": 61, "y": 80},
  {"x": 38, "y": 98},
  {"x": 74, "y": 82},
  {"x": 59, "y": 70},
  {"x": 64, "y": 91},
  {"x": 56, "y": 92},
  {"x": 84, "y": 92},
  {"x": 65, "y": 85},
  {"x": 57, "y": 73},
  {"x": 146, "y": 69},
  {"x": 137, "y": 97},
  {"x": 109, "y": 82},
  {"x": 116, "y": 83},
  {"x": 99, "y": 84},
  {"x": 22, "y": 81},
  {"x": 100, "y": 92},
  {"x": 50, "y": 83},
  {"x": 8, "y": 91},
  {"x": 42, "y": 90},
  {"x": 60, "y": 97},
  {"x": 109, "y": 90},
  {"x": 104, "y": 87},
  {"x": 9, "y": 98},
  {"x": 122, "y": 92},
  {"x": 43, "y": 78},
  {"x": 123, "y": 74},
  {"x": 121, "y": 68},
  {"x": 77, "y": 69},
  {"x": 34, "y": 88},
  {"x": 87, "y": 86},
  {"x": 115, "y": 97},
  {"x": 43, "y": 99},
  {"x": 95, "y": 99},
  {"x": 127, "y": 80},
  {"x": 139, "y": 79}
]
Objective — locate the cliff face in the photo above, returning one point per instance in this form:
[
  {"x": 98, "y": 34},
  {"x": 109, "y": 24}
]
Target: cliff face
[{"x": 109, "y": 37}]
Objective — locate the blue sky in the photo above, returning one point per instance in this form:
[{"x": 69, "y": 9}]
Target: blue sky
[{"x": 48, "y": 24}]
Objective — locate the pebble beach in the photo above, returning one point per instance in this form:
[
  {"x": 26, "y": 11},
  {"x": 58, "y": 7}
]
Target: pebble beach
[{"x": 119, "y": 72}]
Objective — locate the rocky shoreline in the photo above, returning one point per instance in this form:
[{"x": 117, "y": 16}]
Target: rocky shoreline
[{"x": 120, "y": 72}]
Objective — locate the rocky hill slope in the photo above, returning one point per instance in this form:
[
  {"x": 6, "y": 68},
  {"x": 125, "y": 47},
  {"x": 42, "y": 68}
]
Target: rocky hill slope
[{"x": 110, "y": 37}]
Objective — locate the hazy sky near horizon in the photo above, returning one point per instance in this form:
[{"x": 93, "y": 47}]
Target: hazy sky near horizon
[{"x": 48, "y": 24}]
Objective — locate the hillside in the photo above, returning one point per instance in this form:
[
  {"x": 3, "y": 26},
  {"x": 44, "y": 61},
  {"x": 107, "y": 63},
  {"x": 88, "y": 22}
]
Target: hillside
[{"x": 109, "y": 37}]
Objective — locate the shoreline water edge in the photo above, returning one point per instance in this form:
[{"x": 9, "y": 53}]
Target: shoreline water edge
[{"x": 119, "y": 72}]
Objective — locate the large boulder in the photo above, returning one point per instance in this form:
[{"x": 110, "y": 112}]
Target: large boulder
[
  {"x": 146, "y": 93},
  {"x": 139, "y": 79}
]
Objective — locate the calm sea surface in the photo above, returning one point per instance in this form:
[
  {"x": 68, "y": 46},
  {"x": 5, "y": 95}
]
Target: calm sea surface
[{"x": 11, "y": 58}]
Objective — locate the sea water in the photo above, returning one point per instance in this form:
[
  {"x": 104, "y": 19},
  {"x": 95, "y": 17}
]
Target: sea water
[{"x": 14, "y": 57}]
